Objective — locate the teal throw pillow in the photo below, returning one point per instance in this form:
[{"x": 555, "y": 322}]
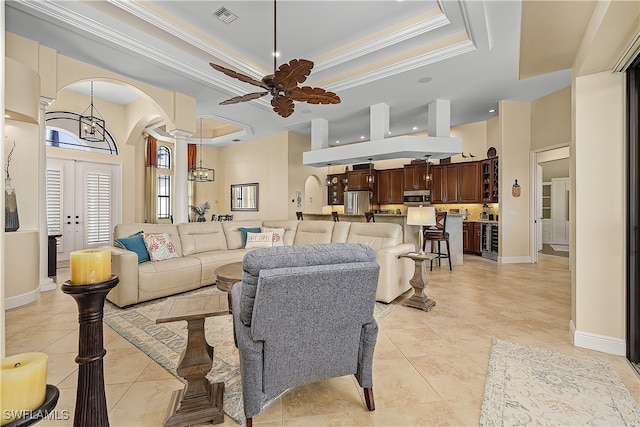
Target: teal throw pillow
[
  {"x": 245, "y": 230},
  {"x": 135, "y": 244}
]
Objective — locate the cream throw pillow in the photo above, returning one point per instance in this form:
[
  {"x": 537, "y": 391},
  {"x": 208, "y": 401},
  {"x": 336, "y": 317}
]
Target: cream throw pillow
[
  {"x": 278, "y": 235},
  {"x": 259, "y": 240}
]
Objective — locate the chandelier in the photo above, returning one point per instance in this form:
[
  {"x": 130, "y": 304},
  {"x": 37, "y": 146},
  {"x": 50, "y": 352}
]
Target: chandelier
[
  {"x": 201, "y": 172},
  {"x": 92, "y": 126}
]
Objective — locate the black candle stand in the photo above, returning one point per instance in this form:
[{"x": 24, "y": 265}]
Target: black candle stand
[{"x": 91, "y": 404}]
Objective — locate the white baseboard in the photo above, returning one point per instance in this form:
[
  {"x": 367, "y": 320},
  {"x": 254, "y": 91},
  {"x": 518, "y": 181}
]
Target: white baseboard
[
  {"x": 514, "y": 260},
  {"x": 605, "y": 344},
  {"x": 48, "y": 285},
  {"x": 19, "y": 300}
]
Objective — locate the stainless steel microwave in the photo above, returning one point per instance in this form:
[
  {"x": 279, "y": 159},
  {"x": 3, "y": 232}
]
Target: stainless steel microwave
[{"x": 417, "y": 197}]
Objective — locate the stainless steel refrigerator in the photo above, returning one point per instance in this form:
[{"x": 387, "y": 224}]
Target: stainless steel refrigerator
[{"x": 357, "y": 202}]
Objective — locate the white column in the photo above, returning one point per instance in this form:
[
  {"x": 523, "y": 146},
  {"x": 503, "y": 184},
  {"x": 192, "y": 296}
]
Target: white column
[
  {"x": 378, "y": 122},
  {"x": 180, "y": 185},
  {"x": 46, "y": 283},
  {"x": 439, "y": 118},
  {"x": 319, "y": 134}
]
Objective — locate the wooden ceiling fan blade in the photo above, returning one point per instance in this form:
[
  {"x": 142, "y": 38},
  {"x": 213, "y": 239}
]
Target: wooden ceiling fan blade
[
  {"x": 290, "y": 75},
  {"x": 283, "y": 105},
  {"x": 244, "y": 98},
  {"x": 313, "y": 95},
  {"x": 238, "y": 76}
]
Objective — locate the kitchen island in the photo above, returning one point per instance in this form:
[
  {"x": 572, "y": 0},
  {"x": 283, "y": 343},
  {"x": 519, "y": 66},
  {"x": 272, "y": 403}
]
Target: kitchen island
[{"x": 410, "y": 232}]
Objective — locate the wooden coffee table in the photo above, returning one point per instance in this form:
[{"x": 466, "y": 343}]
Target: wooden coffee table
[
  {"x": 200, "y": 400},
  {"x": 226, "y": 276}
]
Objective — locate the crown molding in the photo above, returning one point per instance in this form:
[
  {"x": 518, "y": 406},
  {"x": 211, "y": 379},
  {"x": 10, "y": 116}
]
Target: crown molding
[
  {"x": 169, "y": 26},
  {"x": 399, "y": 36},
  {"x": 400, "y": 67}
]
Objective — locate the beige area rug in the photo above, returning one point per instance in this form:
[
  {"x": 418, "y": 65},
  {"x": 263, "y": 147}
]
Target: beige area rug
[
  {"x": 560, "y": 248},
  {"x": 164, "y": 342},
  {"x": 529, "y": 386}
]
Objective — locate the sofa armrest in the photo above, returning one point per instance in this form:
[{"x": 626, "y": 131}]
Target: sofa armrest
[
  {"x": 394, "y": 273},
  {"x": 124, "y": 264},
  {"x": 250, "y": 358}
]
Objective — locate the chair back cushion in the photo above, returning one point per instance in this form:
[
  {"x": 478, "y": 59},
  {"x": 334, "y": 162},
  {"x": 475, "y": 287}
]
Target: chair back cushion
[
  {"x": 313, "y": 232},
  {"x": 279, "y": 257},
  {"x": 378, "y": 235},
  {"x": 201, "y": 237}
]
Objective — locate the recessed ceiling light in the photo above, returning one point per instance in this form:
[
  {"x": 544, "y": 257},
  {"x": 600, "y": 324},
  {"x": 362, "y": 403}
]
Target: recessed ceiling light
[
  {"x": 276, "y": 54},
  {"x": 425, "y": 80},
  {"x": 337, "y": 142},
  {"x": 6, "y": 116},
  {"x": 389, "y": 133},
  {"x": 493, "y": 110},
  {"x": 415, "y": 128},
  {"x": 361, "y": 136}
]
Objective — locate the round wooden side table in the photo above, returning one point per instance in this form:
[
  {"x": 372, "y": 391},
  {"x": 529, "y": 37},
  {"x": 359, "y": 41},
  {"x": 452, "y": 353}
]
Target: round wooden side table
[{"x": 226, "y": 276}]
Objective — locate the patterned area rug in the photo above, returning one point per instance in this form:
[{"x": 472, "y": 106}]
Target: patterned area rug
[
  {"x": 531, "y": 386},
  {"x": 164, "y": 342}
]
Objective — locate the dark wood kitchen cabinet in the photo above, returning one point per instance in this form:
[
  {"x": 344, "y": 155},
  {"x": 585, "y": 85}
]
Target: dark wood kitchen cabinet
[
  {"x": 468, "y": 178},
  {"x": 362, "y": 179},
  {"x": 415, "y": 176},
  {"x": 390, "y": 186},
  {"x": 445, "y": 183},
  {"x": 335, "y": 190},
  {"x": 471, "y": 237},
  {"x": 489, "y": 180}
]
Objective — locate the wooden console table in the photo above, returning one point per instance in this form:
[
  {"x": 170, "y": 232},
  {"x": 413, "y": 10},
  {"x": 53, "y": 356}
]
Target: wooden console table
[
  {"x": 201, "y": 400},
  {"x": 419, "y": 281}
]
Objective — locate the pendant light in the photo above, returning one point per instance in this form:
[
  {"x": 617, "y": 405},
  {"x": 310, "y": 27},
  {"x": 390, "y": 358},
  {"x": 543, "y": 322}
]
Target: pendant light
[
  {"x": 201, "y": 172},
  {"x": 92, "y": 126}
]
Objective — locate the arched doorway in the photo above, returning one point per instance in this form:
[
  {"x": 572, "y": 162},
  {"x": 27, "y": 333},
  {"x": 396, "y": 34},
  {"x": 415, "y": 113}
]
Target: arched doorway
[{"x": 313, "y": 195}]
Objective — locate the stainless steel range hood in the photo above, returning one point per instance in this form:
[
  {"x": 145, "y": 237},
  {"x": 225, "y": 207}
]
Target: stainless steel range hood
[{"x": 438, "y": 145}]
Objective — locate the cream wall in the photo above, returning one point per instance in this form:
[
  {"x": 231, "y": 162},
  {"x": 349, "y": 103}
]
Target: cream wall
[
  {"x": 551, "y": 119},
  {"x": 474, "y": 140},
  {"x": 210, "y": 191},
  {"x": 555, "y": 169},
  {"x": 514, "y": 164},
  {"x": 262, "y": 160},
  {"x": 599, "y": 159}
]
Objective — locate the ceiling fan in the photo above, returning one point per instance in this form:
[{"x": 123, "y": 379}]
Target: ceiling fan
[{"x": 282, "y": 84}]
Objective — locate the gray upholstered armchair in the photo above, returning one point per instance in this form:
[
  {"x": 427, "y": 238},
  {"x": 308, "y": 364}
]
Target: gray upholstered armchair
[{"x": 303, "y": 314}]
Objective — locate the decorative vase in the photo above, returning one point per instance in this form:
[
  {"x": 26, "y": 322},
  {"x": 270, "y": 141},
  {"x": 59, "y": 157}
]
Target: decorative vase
[
  {"x": 11, "y": 220},
  {"x": 201, "y": 218}
]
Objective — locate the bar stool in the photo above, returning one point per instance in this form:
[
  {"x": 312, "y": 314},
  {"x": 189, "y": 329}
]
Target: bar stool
[
  {"x": 369, "y": 216},
  {"x": 299, "y": 216},
  {"x": 335, "y": 216},
  {"x": 437, "y": 235}
]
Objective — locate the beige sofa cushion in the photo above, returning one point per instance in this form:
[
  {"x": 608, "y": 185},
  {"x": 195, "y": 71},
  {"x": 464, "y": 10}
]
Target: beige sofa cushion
[
  {"x": 340, "y": 232},
  {"x": 290, "y": 227},
  {"x": 233, "y": 234},
  {"x": 202, "y": 237},
  {"x": 378, "y": 235},
  {"x": 126, "y": 230},
  {"x": 172, "y": 276},
  {"x": 313, "y": 232}
]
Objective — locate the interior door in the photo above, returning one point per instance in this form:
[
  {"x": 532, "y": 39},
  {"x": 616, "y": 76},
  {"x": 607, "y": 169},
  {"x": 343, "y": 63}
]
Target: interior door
[
  {"x": 539, "y": 207},
  {"x": 83, "y": 199}
]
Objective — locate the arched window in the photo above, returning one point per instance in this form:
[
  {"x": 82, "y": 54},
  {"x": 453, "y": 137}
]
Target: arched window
[
  {"x": 164, "y": 182},
  {"x": 62, "y": 131}
]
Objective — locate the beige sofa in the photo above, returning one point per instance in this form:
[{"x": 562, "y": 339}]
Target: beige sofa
[{"x": 204, "y": 246}]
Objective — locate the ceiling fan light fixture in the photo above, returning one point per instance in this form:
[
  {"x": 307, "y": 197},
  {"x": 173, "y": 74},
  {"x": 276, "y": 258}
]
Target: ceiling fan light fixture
[{"x": 282, "y": 85}]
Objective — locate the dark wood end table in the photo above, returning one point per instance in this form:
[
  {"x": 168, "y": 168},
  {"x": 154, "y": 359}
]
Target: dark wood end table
[
  {"x": 419, "y": 281},
  {"x": 201, "y": 400},
  {"x": 226, "y": 276}
]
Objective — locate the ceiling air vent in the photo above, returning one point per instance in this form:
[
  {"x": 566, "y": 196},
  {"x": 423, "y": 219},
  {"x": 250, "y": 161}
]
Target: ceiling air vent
[{"x": 225, "y": 15}]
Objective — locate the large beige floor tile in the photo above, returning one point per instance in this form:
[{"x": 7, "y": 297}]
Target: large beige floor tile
[
  {"x": 452, "y": 376},
  {"x": 347, "y": 419},
  {"x": 425, "y": 414},
  {"x": 143, "y": 404},
  {"x": 323, "y": 397},
  {"x": 397, "y": 383}
]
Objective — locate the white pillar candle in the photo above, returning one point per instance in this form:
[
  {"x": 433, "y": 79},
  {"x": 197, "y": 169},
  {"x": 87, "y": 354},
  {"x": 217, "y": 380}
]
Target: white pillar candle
[
  {"x": 23, "y": 386},
  {"x": 90, "y": 266}
]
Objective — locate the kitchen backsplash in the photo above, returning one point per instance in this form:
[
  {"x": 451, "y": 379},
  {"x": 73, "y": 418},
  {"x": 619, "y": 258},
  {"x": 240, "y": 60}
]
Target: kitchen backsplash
[{"x": 473, "y": 209}]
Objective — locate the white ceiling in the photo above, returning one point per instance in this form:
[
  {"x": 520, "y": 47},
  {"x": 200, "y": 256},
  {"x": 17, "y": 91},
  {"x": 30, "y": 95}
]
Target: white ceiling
[{"x": 368, "y": 52}]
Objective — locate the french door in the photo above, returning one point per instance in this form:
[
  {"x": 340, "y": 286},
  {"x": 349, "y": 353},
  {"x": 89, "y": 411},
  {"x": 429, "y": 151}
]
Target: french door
[{"x": 83, "y": 203}]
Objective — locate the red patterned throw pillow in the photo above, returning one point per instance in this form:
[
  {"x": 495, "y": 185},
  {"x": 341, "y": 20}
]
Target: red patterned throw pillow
[{"x": 159, "y": 246}]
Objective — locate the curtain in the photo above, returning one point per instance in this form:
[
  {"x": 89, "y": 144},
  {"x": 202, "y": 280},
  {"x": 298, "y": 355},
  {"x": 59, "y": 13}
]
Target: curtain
[
  {"x": 192, "y": 156},
  {"x": 151, "y": 181}
]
